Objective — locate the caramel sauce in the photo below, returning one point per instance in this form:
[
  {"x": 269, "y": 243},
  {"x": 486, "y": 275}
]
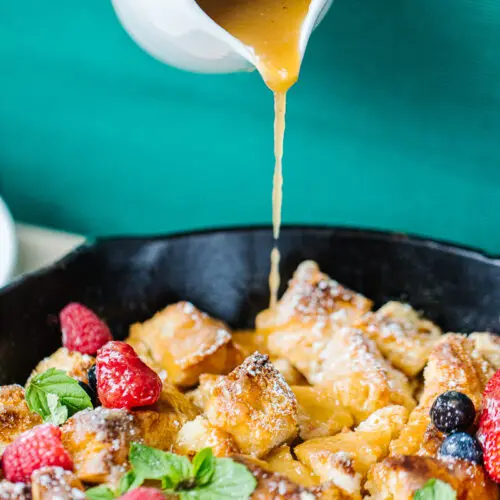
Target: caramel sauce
[{"x": 271, "y": 29}]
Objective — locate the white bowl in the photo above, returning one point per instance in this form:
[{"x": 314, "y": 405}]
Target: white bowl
[{"x": 8, "y": 244}]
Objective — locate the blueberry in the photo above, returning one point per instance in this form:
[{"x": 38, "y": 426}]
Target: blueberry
[
  {"x": 462, "y": 445},
  {"x": 92, "y": 378},
  {"x": 92, "y": 395},
  {"x": 452, "y": 412}
]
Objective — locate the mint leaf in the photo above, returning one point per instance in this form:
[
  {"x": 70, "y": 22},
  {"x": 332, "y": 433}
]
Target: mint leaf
[
  {"x": 58, "y": 412},
  {"x": 100, "y": 493},
  {"x": 230, "y": 480},
  {"x": 435, "y": 489},
  {"x": 149, "y": 463},
  {"x": 203, "y": 466},
  {"x": 55, "y": 382},
  {"x": 126, "y": 482}
]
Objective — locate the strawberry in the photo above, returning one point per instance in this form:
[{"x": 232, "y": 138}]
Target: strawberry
[
  {"x": 39, "y": 447},
  {"x": 82, "y": 329},
  {"x": 489, "y": 428},
  {"x": 144, "y": 494},
  {"x": 123, "y": 380}
]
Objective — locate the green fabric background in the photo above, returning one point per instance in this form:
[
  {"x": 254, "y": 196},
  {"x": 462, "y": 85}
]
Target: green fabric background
[{"x": 395, "y": 123}]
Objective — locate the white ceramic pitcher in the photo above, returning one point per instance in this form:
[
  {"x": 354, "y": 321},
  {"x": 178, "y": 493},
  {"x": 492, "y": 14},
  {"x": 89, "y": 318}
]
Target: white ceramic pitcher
[{"x": 180, "y": 34}]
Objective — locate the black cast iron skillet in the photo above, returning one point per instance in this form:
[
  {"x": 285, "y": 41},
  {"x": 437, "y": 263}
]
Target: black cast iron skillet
[{"x": 225, "y": 273}]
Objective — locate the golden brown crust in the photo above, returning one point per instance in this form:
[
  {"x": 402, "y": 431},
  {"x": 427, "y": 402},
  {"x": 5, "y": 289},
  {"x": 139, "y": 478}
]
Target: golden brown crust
[
  {"x": 51, "y": 483},
  {"x": 345, "y": 458},
  {"x": 487, "y": 345},
  {"x": 98, "y": 441},
  {"x": 399, "y": 477},
  {"x": 14, "y": 491},
  {"x": 311, "y": 297},
  {"x": 15, "y": 416},
  {"x": 250, "y": 341},
  {"x": 453, "y": 365},
  {"x": 360, "y": 378},
  {"x": 184, "y": 342},
  {"x": 255, "y": 405},
  {"x": 310, "y": 311},
  {"x": 159, "y": 424},
  {"x": 402, "y": 336},
  {"x": 75, "y": 364}
]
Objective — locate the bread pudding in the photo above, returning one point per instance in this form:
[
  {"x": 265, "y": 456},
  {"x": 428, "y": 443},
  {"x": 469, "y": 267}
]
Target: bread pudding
[{"x": 326, "y": 399}]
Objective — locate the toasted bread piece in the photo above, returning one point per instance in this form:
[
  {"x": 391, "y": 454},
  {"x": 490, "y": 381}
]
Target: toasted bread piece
[
  {"x": 402, "y": 336},
  {"x": 312, "y": 296},
  {"x": 360, "y": 378},
  {"x": 453, "y": 365},
  {"x": 14, "y": 491},
  {"x": 200, "y": 433},
  {"x": 281, "y": 461},
  {"x": 251, "y": 341},
  {"x": 75, "y": 364},
  {"x": 320, "y": 414},
  {"x": 255, "y": 405},
  {"x": 399, "y": 477},
  {"x": 487, "y": 345},
  {"x": 274, "y": 486},
  {"x": 51, "y": 483},
  {"x": 15, "y": 416},
  {"x": 346, "y": 458},
  {"x": 99, "y": 441},
  {"x": 159, "y": 424},
  {"x": 185, "y": 343},
  {"x": 311, "y": 309}
]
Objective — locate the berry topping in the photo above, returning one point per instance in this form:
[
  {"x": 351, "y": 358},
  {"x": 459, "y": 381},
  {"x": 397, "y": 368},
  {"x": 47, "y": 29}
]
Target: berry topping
[
  {"x": 144, "y": 494},
  {"x": 32, "y": 450},
  {"x": 82, "y": 330},
  {"x": 92, "y": 394},
  {"x": 462, "y": 445},
  {"x": 123, "y": 380},
  {"x": 91, "y": 375},
  {"x": 489, "y": 428},
  {"x": 453, "y": 412}
]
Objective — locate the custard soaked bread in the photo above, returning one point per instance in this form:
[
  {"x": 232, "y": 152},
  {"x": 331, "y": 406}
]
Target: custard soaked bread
[
  {"x": 185, "y": 342},
  {"x": 401, "y": 477},
  {"x": 454, "y": 364},
  {"x": 325, "y": 400}
]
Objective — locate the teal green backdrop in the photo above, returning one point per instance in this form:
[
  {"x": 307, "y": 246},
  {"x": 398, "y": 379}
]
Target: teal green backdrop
[{"x": 395, "y": 123}]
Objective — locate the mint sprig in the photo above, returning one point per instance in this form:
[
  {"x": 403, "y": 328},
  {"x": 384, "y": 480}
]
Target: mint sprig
[
  {"x": 206, "y": 478},
  {"x": 101, "y": 492},
  {"x": 55, "y": 396},
  {"x": 435, "y": 489}
]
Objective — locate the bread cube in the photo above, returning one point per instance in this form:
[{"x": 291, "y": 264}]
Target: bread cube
[
  {"x": 75, "y": 364},
  {"x": 15, "y": 416},
  {"x": 50, "y": 483},
  {"x": 255, "y": 405},
  {"x": 401, "y": 335},
  {"x": 346, "y": 458},
  {"x": 184, "y": 342}
]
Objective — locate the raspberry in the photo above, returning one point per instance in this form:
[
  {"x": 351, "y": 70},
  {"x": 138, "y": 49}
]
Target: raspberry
[
  {"x": 82, "y": 330},
  {"x": 144, "y": 494},
  {"x": 39, "y": 447},
  {"x": 123, "y": 380},
  {"x": 489, "y": 428}
]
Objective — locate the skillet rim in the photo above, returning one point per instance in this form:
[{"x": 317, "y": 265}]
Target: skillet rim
[{"x": 468, "y": 252}]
